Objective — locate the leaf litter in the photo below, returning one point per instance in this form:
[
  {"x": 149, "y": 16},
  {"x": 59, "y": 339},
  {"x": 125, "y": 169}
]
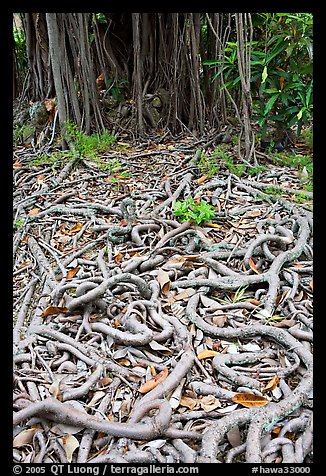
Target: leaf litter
[{"x": 126, "y": 326}]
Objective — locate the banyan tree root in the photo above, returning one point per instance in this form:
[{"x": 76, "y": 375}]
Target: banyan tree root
[{"x": 115, "y": 296}]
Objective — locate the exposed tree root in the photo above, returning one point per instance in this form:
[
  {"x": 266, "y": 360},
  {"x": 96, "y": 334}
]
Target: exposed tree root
[{"x": 137, "y": 334}]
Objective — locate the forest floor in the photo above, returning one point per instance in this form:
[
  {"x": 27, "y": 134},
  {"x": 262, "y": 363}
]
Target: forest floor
[{"x": 142, "y": 338}]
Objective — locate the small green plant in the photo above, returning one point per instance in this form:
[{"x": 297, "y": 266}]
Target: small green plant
[
  {"x": 256, "y": 169},
  {"x": 307, "y": 137},
  {"x": 302, "y": 163},
  {"x": 193, "y": 210},
  {"x": 238, "y": 296},
  {"x": 88, "y": 145},
  {"x": 111, "y": 165},
  {"x": 206, "y": 165},
  {"x": 19, "y": 223},
  {"x": 123, "y": 175},
  {"x": 221, "y": 154},
  {"x": 22, "y": 133},
  {"x": 54, "y": 159}
]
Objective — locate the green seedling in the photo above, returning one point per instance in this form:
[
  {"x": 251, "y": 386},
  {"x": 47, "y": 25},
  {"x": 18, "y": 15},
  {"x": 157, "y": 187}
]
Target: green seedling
[
  {"x": 19, "y": 223},
  {"x": 191, "y": 210},
  {"x": 238, "y": 296}
]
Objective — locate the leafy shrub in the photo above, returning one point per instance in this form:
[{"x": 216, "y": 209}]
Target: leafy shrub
[{"x": 281, "y": 69}]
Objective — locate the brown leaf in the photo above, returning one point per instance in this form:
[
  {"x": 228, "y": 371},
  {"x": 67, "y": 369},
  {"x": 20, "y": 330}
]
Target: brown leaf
[
  {"x": 252, "y": 265},
  {"x": 49, "y": 104},
  {"x": 285, "y": 323},
  {"x": 16, "y": 165},
  {"x": 190, "y": 403},
  {"x": 202, "y": 179},
  {"x": 24, "y": 437},
  {"x": 249, "y": 400},
  {"x": 207, "y": 353},
  {"x": 32, "y": 212},
  {"x": 272, "y": 384},
  {"x": 183, "y": 295},
  {"x": 163, "y": 280},
  {"x": 70, "y": 444},
  {"x": 51, "y": 310},
  {"x": 72, "y": 272},
  {"x": 125, "y": 362},
  {"x": 75, "y": 229},
  {"x": 104, "y": 381},
  {"x": 311, "y": 285},
  {"x": 55, "y": 390},
  {"x": 153, "y": 382},
  {"x": 213, "y": 225},
  {"x": 118, "y": 257},
  {"x": 209, "y": 403},
  {"x": 255, "y": 302},
  {"x": 219, "y": 321},
  {"x": 153, "y": 371},
  {"x": 40, "y": 178}
]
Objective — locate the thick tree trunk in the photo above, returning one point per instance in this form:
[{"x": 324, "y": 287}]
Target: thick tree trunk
[{"x": 56, "y": 56}]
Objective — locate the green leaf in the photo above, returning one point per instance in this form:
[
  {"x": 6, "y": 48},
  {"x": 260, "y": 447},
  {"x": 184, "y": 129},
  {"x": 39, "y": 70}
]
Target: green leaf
[
  {"x": 299, "y": 115},
  {"x": 264, "y": 74},
  {"x": 270, "y": 103},
  {"x": 271, "y": 91}
]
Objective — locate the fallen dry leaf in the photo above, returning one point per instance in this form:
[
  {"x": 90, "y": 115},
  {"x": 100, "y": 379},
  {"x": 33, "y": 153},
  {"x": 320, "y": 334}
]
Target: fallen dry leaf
[
  {"x": 40, "y": 178},
  {"x": 209, "y": 403},
  {"x": 202, "y": 179},
  {"x": 271, "y": 384},
  {"x": 24, "y": 437},
  {"x": 55, "y": 390},
  {"x": 96, "y": 398},
  {"x": 191, "y": 403},
  {"x": 252, "y": 265},
  {"x": 205, "y": 354},
  {"x": 104, "y": 381},
  {"x": 249, "y": 400},
  {"x": 75, "y": 229},
  {"x": 51, "y": 310},
  {"x": 153, "y": 371},
  {"x": 32, "y": 212},
  {"x": 72, "y": 272},
  {"x": 153, "y": 382},
  {"x": 255, "y": 302},
  {"x": 213, "y": 225},
  {"x": 70, "y": 444},
  {"x": 118, "y": 257},
  {"x": 163, "y": 280}
]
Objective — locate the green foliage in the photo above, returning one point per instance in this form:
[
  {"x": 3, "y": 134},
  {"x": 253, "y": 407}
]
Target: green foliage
[
  {"x": 116, "y": 88},
  {"x": 54, "y": 159},
  {"x": 302, "y": 163},
  {"x": 307, "y": 137},
  {"x": 227, "y": 159},
  {"x": 83, "y": 147},
  {"x": 220, "y": 158},
  {"x": 207, "y": 165},
  {"x": 22, "y": 133},
  {"x": 286, "y": 85},
  {"x": 88, "y": 145},
  {"x": 19, "y": 223},
  {"x": 281, "y": 69},
  {"x": 239, "y": 296},
  {"x": 191, "y": 210},
  {"x": 124, "y": 174},
  {"x": 19, "y": 38}
]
